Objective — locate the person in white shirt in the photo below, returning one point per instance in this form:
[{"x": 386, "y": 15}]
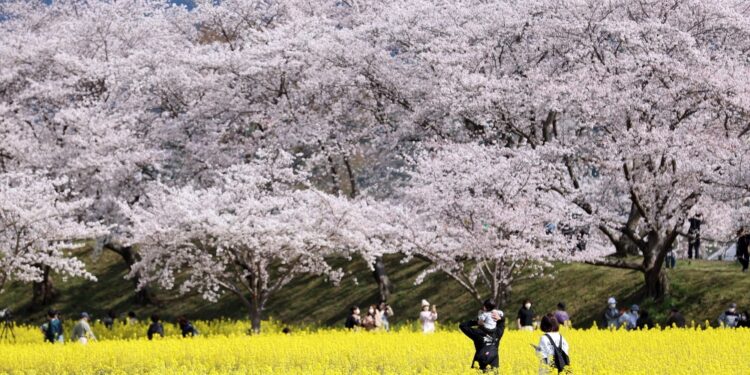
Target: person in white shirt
[
  {"x": 428, "y": 316},
  {"x": 547, "y": 343}
]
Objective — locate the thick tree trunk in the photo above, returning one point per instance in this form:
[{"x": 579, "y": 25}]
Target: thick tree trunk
[
  {"x": 381, "y": 277},
  {"x": 657, "y": 284},
  {"x": 256, "y": 313},
  {"x": 143, "y": 296},
  {"x": 44, "y": 292}
]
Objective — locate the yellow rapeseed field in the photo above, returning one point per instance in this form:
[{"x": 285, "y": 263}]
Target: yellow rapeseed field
[{"x": 224, "y": 348}]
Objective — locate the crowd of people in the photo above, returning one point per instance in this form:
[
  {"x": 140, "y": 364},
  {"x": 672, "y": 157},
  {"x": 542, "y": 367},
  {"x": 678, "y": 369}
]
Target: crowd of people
[
  {"x": 376, "y": 318},
  {"x": 53, "y": 332},
  {"x": 636, "y": 318}
]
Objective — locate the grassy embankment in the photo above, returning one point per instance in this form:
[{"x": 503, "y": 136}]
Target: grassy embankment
[{"x": 701, "y": 290}]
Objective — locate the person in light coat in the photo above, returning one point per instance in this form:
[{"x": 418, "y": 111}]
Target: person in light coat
[{"x": 547, "y": 343}]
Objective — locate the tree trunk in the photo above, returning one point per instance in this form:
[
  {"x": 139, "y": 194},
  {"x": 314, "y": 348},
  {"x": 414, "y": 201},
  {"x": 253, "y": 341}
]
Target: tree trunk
[
  {"x": 381, "y": 277},
  {"x": 44, "y": 292},
  {"x": 143, "y": 296},
  {"x": 502, "y": 298},
  {"x": 657, "y": 284},
  {"x": 256, "y": 312}
]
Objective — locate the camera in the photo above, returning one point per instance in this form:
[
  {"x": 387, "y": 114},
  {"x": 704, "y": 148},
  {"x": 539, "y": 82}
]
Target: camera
[{"x": 6, "y": 315}]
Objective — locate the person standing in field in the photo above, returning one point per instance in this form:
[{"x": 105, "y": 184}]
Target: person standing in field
[
  {"x": 82, "y": 331},
  {"x": 428, "y": 316},
  {"x": 644, "y": 321},
  {"x": 629, "y": 319},
  {"x": 694, "y": 236},
  {"x": 552, "y": 350},
  {"x": 743, "y": 243},
  {"x": 353, "y": 321},
  {"x": 109, "y": 320},
  {"x": 186, "y": 327},
  {"x": 730, "y": 317},
  {"x": 562, "y": 316},
  {"x": 486, "y": 341},
  {"x": 675, "y": 318},
  {"x": 52, "y": 329},
  {"x": 156, "y": 328},
  {"x": 611, "y": 314},
  {"x": 383, "y": 314},
  {"x": 525, "y": 318},
  {"x": 369, "y": 323},
  {"x": 131, "y": 319}
]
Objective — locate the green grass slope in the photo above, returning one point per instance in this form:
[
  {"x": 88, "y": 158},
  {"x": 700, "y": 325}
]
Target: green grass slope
[{"x": 701, "y": 290}]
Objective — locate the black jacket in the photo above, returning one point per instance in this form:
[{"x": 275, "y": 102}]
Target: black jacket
[
  {"x": 742, "y": 246},
  {"x": 155, "y": 329},
  {"x": 352, "y": 321},
  {"x": 485, "y": 343}
]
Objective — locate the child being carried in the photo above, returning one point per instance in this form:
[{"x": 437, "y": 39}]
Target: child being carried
[{"x": 484, "y": 320}]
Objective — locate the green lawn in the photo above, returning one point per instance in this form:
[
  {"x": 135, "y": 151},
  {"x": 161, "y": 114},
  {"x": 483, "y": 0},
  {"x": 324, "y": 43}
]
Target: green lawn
[{"x": 701, "y": 290}]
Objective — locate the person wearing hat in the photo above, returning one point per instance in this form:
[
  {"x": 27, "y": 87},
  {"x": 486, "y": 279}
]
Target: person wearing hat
[
  {"x": 611, "y": 315},
  {"x": 629, "y": 320},
  {"x": 82, "y": 330},
  {"x": 428, "y": 317},
  {"x": 729, "y": 318}
]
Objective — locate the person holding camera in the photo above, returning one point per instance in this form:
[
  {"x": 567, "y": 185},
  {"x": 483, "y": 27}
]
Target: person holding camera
[
  {"x": 383, "y": 314},
  {"x": 428, "y": 316}
]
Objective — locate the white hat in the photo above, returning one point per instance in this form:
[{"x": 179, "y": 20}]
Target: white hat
[
  {"x": 425, "y": 303},
  {"x": 611, "y": 301}
]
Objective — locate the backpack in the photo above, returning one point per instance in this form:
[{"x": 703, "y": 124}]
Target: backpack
[{"x": 561, "y": 359}]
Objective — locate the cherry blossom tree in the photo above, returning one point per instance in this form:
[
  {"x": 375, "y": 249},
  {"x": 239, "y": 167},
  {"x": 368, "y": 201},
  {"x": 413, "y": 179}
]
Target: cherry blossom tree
[
  {"x": 662, "y": 123},
  {"x": 77, "y": 100},
  {"x": 39, "y": 229},
  {"x": 250, "y": 234},
  {"x": 644, "y": 104},
  {"x": 483, "y": 215}
]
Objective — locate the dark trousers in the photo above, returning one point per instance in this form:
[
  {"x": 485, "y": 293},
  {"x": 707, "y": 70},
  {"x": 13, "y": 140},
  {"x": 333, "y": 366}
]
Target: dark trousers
[
  {"x": 671, "y": 261},
  {"x": 744, "y": 261},
  {"x": 696, "y": 245}
]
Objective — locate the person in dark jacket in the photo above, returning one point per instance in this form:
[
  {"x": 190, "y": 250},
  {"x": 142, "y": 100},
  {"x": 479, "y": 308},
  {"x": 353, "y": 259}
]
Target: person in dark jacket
[
  {"x": 743, "y": 255},
  {"x": 109, "y": 320},
  {"x": 53, "y": 328},
  {"x": 675, "y": 318},
  {"x": 155, "y": 328},
  {"x": 186, "y": 327},
  {"x": 694, "y": 236},
  {"x": 485, "y": 343},
  {"x": 644, "y": 321},
  {"x": 353, "y": 320}
]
